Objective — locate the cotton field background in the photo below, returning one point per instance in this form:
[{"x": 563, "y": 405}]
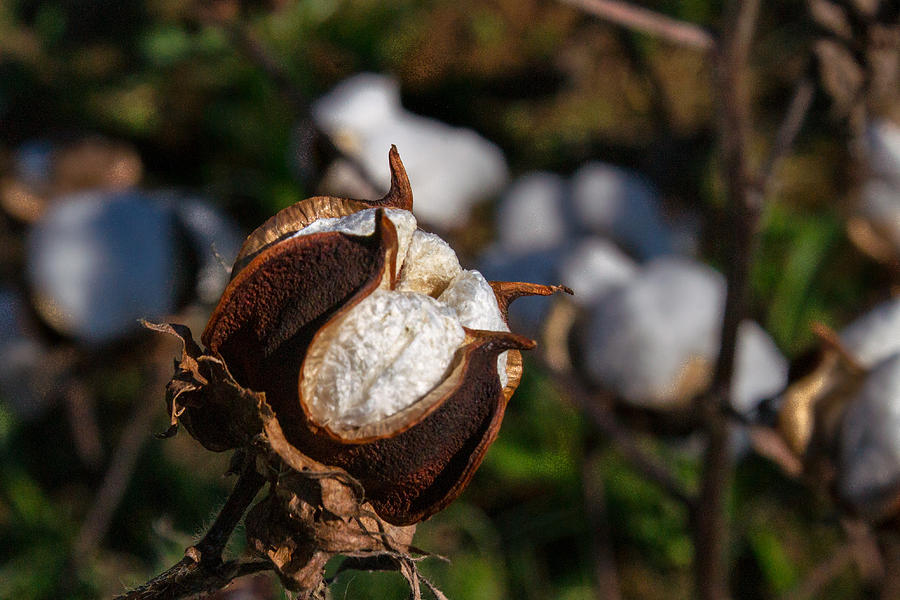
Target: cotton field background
[{"x": 714, "y": 412}]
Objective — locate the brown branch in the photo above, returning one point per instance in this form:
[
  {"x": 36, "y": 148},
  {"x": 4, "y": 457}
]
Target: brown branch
[
  {"x": 647, "y": 21},
  {"x": 202, "y": 568},
  {"x": 744, "y": 205},
  {"x": 116, "y": 480},
  {"x": 606, "y": 578}
]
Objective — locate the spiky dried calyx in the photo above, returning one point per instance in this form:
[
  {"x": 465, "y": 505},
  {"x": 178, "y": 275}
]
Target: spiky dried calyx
[{"x": 378, "y": 354}]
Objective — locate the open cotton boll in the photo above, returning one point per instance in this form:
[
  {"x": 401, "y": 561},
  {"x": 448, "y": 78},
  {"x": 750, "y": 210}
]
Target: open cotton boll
[
  {"x": 883, "y": 150},
  {"x": 363, "y": 223},
  {"x": 533, "y": 213},
  {"x": 387, "y": 352},
  {"x": 649, "y": 339},
  {"x": 874, "y": 336},
  {"x": 430, "y": 265},
  {"x": 451, "y": 168},
  {"x": 594, "y": 267},
  {"x": 869, "y": 476},
  {"x": 761, "y": 370},
  {"x": 473, "y": 300},
  {"x": 614, "y": 202}
]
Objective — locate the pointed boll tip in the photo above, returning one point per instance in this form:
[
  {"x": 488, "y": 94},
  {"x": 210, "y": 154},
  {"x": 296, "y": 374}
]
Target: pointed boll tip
[{"x": 400, "y": 195}]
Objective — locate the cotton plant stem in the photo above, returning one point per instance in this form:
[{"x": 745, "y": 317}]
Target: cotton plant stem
[
  {"x": 606, "y": 578},
  {"x": 202, "y": 569},
  {"x": 744, "y": 206}
]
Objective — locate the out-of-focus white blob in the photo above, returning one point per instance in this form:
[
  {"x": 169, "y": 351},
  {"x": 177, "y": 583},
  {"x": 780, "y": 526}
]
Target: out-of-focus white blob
[
  {"x": 594, "y": 267},
  {"x": 526, "y": 315},
  {"x": 879, "y": 204},
  {"x": 653, "y": 341},
  {"x": 869, "y": 476},
  {"x": 449, "y": 168},
  {"x": 534, "y": 213},
  {"x": 97, "y": 262},
  {"x": 874, "y": 336},
  {"x": 882, "y": 147},
  {"x": 761, "y": 370},
  {"x": 645, "y": 339},
  {"x": 614, "y": 202},
  {"x": 21, "y": 383},
  {"x": 215, "y": 241}
]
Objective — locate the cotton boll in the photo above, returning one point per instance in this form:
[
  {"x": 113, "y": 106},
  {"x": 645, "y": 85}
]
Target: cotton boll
[
  {"x": 761, "y": 371},
  {"x": 874, "y": 336},
  {"x": 450, "y": 168},
  {"x": 614, "y": 202},
  {"x": 594, "y": 267},
  {"x": 532, "y": 215},
  {"x": 882, "y": 145},
  {"x": 869, "y": 476},
  {"x": 652, "y": 341},
  {"x": 97, "y": 262}
]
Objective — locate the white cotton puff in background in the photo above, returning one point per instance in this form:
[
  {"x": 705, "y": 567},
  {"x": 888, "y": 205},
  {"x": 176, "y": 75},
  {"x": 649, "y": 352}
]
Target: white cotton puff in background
[
  {"x": 533, "y": 213},
  {"x": 96, "y": 262},
  {"x": 643, "y": 336},
  {"x": 449, "y": 168},
  {"x": 882, "y": 150},
  {"x": 594, "y": 267},
  {"x": 875, "y": 335},
  {"x": 869, "y": 474},
  {"x": 615, "y": 202}
]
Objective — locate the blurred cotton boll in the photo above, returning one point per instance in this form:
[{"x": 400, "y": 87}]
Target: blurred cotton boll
[
  {"x": 882, "y": 150},
  {"x": 869, "y": 475},
  {"x": 450, "y": 168},
  {"x": 533, "y": 213},
  {"x": 99, "y": 261},
  {"x": 614, "y": 202},
  {"x": 653, "y": 341},
  {"x": 593, "y": 268},
  {"x": 874, "y": 336}
]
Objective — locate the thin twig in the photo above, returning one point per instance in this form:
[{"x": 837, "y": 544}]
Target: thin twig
[
  {"x": 788, "y": 130},
  {"x": 606, "y": 578},
  {"x": 647, "y": 21},
  {"x": 202, "y": 569},
  {"x": 116, "y": 480},
  {"x": 744, "y": 204}
]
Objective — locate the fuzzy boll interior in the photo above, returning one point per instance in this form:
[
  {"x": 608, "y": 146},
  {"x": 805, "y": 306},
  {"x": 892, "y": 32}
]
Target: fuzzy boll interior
[{"x": 396, "y": 345}]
